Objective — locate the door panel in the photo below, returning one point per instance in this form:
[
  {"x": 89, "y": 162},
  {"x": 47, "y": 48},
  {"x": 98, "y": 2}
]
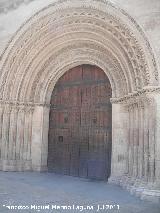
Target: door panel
[{"x": 80, "y": 124}]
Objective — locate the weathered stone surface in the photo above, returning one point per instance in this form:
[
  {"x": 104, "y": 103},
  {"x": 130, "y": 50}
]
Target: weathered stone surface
[{"x": 68, "y": 33}]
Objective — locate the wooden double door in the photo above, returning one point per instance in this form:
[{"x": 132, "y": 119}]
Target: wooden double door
[{"x": 80, "y": 124}]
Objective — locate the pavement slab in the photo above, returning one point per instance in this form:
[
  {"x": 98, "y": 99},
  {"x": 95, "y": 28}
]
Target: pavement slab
[{"x": 29, "y": 192}]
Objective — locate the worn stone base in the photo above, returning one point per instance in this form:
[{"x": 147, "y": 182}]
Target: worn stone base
[
  {"x": 15, "y": 165},
  {"x": 151, "y": 195},
  {"x": 20, "y": 166},
  {"x": 138, "y": 187},
  {"x": 39, "y": 168}
]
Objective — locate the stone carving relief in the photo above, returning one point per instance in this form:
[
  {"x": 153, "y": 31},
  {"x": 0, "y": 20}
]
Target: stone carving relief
[
  {"x": 61, "y": 36},
  {"x": 25, "y": 52}
]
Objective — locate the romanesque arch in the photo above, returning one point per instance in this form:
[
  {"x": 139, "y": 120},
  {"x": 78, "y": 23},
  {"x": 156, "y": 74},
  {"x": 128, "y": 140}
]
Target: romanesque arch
[{"x": 66, "y": 34}]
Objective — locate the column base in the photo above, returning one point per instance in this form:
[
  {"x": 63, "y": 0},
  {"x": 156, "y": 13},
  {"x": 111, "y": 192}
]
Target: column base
[
  {"x": 15, "y": 165},
  {"x": 114, "y": 180},
  {"x": 151, "y": 195},
  {"x": 138, "y": 187},
  {"x": 20, "y": 166},
  {"x": 39, "y": 168}
]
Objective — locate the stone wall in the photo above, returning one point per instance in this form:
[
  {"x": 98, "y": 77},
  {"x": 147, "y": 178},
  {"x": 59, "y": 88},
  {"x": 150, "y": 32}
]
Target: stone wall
[{"x": 66, "y": 34}]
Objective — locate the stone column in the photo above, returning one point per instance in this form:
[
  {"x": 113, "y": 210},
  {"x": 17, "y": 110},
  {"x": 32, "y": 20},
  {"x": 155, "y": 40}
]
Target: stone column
[
  {"x": 152, "y": 122},
  {"x": 136, "y": 141},
  {"x": 12, "y": 133},
  {"x": 27, "y": 137},
  {"x": 1, "y": 123},
  {"x": 20, "y": 136},
  {"x": 152, "y": 168},
  {"x": 131, "y": 119},
  {"x": 119, "y": 162},
  {"x": 141, "y": 141},
  {"x": 5, "y": 132},
  {"x": 40, "y": 129},
  {"x": 29, "y": 128},
  {"x": 146, "y": 142},
  {"x": 26, "y": 133},
  {"x": 128, "y": 147},
  {"x": 157, "y": 139}
]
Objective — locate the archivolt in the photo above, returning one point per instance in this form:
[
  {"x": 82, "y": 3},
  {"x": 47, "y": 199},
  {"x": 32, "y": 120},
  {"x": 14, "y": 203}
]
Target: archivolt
[{"x": 69, "y": 33}]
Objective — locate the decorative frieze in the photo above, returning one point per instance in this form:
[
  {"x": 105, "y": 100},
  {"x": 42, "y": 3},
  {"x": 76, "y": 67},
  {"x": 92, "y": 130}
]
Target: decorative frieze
[
  {"x": 96, "y": 22},
  {"x": 140, "y": 95},
  {"x": 19, "y": 104}
]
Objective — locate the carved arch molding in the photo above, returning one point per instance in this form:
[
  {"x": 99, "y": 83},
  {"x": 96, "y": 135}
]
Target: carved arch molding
[{"x": 63, "y": 35}]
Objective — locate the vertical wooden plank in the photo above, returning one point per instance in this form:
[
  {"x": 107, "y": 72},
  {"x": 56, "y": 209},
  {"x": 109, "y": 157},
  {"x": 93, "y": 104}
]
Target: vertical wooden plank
[{"x": 80, "y": 115}]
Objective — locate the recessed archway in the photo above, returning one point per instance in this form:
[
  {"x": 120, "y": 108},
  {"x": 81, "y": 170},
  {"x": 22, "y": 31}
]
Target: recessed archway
[
  {"x": 80, "y": 124},
  {"x": 66, "y": 34}
]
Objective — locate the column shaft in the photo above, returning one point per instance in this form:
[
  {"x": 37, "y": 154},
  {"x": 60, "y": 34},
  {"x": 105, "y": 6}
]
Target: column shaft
[
  {"x": 20, "y": 134},
  {"x": 152, "y": 144},
  {"x": 27, "y": 134},
  {"x": 5, "y": 133},
  {"x": 12, "y": 133},
  {"x": 141, "y": 145},
  {"x": 135, "y": 166},
  {"x": 1, "y": 124},
  {"x": 131, "y": 141},
  {"x": 146, "y": 143}
]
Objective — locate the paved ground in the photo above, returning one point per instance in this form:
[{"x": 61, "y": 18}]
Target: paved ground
[{"x": 31, "y": 191}]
